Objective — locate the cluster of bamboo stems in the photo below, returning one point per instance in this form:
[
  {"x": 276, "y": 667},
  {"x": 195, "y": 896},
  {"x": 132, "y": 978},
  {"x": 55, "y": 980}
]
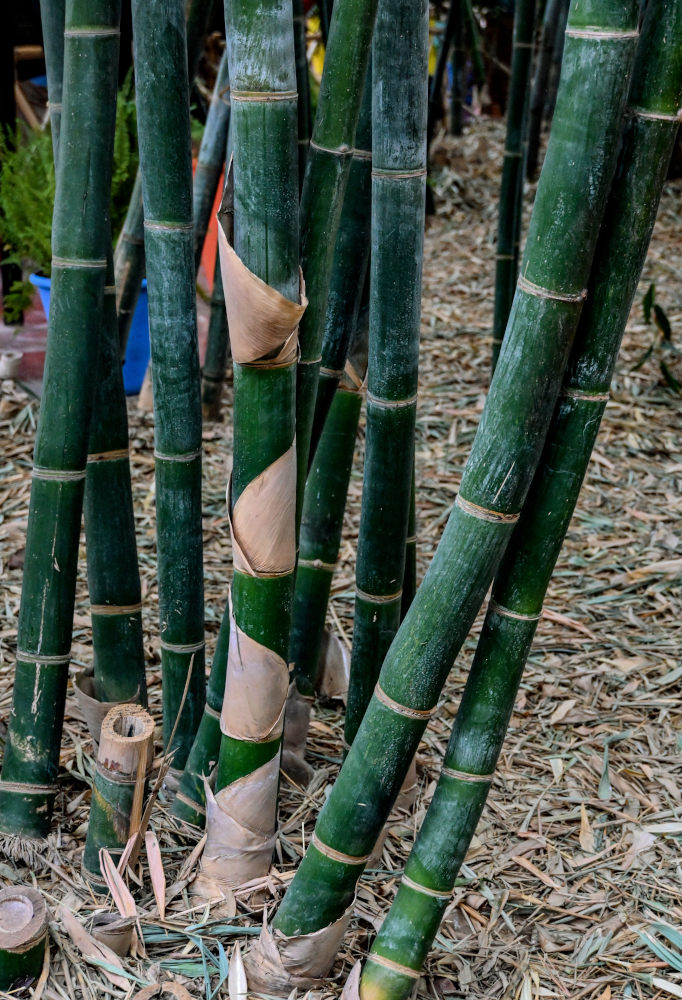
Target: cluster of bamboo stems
[{"x": 320, "y": 295}]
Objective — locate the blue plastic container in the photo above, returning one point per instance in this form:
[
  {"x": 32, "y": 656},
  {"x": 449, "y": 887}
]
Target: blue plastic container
[{"x": 137, "y": 351}]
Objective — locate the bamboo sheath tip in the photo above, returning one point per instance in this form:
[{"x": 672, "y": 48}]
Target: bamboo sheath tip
[
  {"x": 23, "y": 918},
  {"x": 126, "y": 741}
]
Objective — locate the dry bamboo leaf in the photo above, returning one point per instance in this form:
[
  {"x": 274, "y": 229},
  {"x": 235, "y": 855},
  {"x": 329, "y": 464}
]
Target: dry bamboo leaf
[
  {"x": 120, "y": 892},
  {"x": 156, "y": 871},
  {"x": 586, "y": 833},
  {"x": 90, "y": 948}
]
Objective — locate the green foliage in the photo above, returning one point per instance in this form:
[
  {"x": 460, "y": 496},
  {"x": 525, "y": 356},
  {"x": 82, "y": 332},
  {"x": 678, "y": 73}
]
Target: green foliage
[
  {"x": 27, "y": 188},
  {"x": 661, "y": 347}
]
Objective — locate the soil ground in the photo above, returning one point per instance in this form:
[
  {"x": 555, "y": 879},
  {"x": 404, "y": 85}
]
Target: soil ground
[{"x": 575, "y": 865}]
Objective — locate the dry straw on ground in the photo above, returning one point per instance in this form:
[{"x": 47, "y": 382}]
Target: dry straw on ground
[{"x": 576, "y": 862}]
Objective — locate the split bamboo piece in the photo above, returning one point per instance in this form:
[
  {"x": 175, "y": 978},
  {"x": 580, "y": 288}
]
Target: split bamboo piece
[
  {"x": 259, "y": 259},
  {"x": 126, "y": 751},
  {"x": 329, "y": 159},
  {"x": 399, "y": 110},
  {"x": 516, "y": 605},
  {"x": 79, "y": 240},
  {"x": 511, "y": 187},
  {"x": 166, "y": 166},
  {"x": 496, "y": 480},
  {"x": 23, "y": 935}
]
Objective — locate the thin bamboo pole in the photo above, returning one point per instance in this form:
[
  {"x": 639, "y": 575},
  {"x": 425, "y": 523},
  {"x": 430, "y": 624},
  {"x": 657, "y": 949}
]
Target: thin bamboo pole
[
  {"x": 305, "y": 120},
  {"x": 511, "y": 186},
  {"x": 52, "y": 20},
  {"x": 261, "y": 281},
  {"x": 27, "y": 785},
  {"x": 496, "y": 478},
  {"x": 166, "y": 166},
  {"x": 457, "y": 91},
  {"x": 399, "y": 110},
  {"x": 324, "y": 185},
  {"x": 521, "y": 583},
  {"x": 217, "y": 349},
  {"x": 211, "y": 159},
  {"x": 539, "y": 88}
]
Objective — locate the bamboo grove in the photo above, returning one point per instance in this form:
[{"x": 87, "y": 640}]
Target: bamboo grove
[{"x": 317, "y": 301}]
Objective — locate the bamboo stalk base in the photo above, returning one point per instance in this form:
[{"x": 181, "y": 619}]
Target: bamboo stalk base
[{"x": 23, "y": 935}]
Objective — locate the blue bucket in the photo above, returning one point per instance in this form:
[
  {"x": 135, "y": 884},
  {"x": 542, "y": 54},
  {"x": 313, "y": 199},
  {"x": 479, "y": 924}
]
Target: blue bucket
[{"x": 137, "y": 351}]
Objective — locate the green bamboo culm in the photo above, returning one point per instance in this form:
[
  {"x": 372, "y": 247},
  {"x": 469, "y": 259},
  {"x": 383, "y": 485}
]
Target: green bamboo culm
[
  {"x": 126, "y": 751},
  {"x": 474, "y": 38},
  {"x": 323, "y": 509},
  {"x": 217, "y": 350},
  {"x": 458, "y": 54},
  {"x": 410, "y": 572},
  {"x": 260, "y": 266},
  {"x": 521, "y": 583},
  {"x": 211, "y": 159},
  {"x": 539, "y": 88},
  {"x": 399, "y": 110},
  {"x": 599, "y": 51},
  {"x": 435, "y": 112},
  {"x": 110, "y": 545},
  {"x": 349, "y": 285},
  {"x": 23, "y": 936},
  {"x": 329, "y": 160},
  {"x": 52, "y": 14},
  {"x": 79, "y": 243},
  {"x": 129, "y": 261},
  {"x": 305, "y": 120},
  {"x": 511, "y": 187},
  {"x": 166, "y": 166}
]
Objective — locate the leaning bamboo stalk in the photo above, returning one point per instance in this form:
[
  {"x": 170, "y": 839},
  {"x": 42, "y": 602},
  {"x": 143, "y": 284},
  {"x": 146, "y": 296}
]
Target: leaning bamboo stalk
[
  {"x": 129, "y": 262},
  {"x": 217, "y": 347},
  {"x": 52, "y": 20},
  {"x": 324, "y": 184},
  {"x": 166, "y": 166},
  {"x": 521, "y": 583},
  {"x": 399, "y": 110},
  {"x": 23, "y": 935},
  {"x": 511, "y": 185},
  {"x": 211, "y": 159},
  {"x": 79, "y": 240},
  {"x": 348, "y": 282},
  {"x": 539, "y": 87},
  {"x": 495, "y": 482},
  {"x": 305, "y": 122},
  {"x": 126, "y": 750},
  {"x": 261, "y": 278}
]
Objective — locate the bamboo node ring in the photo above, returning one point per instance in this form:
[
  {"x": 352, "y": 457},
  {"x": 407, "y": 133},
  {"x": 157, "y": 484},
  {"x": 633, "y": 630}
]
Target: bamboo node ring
[
  {"x": 334, "y": 855},
  {"x": 173, "y": 647},
  {"x": 267, "y": 96},
  {"x": 388, "y": 963},
  {"x": 391, "y": 404},
  {"x": 378, "y": 598},
  {"x": 92, "y": 33},
  {"x": 47, "y": 661},
  {"x": 616, "y": 36},
  {"x": 187, "y": 457},
  {"x": 115, "y": 609},
  {"x": 483, "y": 513},
  {"x": 655, "y": 115},
  {"x": 58, "y": 475},
  {"x": 169, "y": 227},
  {"x": 423, "y": 714},
  {"x": 436, "y": 893},
  {"x": 466, "y": 776},
  {"x": 79, "y": 262},
  {"x": 342, "y": 150},
  {"x": 545, "y": 293},
  {"x": 399, "y": 175},
  {"x": 588, "y": 397},
  {"x": 508, "y": 613},
  {"x": 317, "y": 564}
]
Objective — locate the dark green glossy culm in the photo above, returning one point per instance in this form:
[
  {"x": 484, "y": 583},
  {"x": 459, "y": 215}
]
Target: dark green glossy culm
[
  {"x": 79, "y": 245},
  {"x": 399, "y": 110},
  {"x": 305, "y": 118},
  {"x": 52, "y": 22},
  {"x": 538, "y": 92},
  {"x": 324, "y": 185},
  {"x": 162, "y": 92},
  {"x": 211, "y": 159},
  {"x": 217, "y": 350},
  {"x": 322, "y": 522},
  {"x": 483, "y": 716},
  {"x": 580, "y": 163},
  {"x": 349, "y": 280},
  {"x": 264, "y": 133},
  {"x": 511, "y": 187}
]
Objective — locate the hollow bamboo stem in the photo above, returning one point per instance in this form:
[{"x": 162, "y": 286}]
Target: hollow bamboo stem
[{"x": 23, "y": 935}]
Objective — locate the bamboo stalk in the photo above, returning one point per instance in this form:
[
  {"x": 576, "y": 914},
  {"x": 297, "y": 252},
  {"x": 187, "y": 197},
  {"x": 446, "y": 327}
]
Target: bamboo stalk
[
  {"x": 496, "y": 478},
  {"x": 521, "y": 583},
  {"x": 511, "y": 186},
  {"x": 125, "y": 754},
  {"x": 539, "y": 88},
  {"x": 457, "y": 93},
  {"x": 217, "y": 349},
  {"x": 23, "y": 935},
  {"x": 27, "y": 785},
  {"x": 399, "y": 110},
  {"x": 349, "y": 269},
  {"x": 474, "y": 44},
  {"x": 261, "y": 281},
  {"x": 305, "y": 121},
  {"x": 324, "y": 185},
  {"x": 166, "y": 167},
  {"x": 211, "y": 159},
  {"x": 52, "y": 19}
]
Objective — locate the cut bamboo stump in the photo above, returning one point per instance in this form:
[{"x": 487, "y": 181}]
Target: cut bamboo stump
[
  {"x": 23, "y": 935},
  {"x": 126, "y": 749}
]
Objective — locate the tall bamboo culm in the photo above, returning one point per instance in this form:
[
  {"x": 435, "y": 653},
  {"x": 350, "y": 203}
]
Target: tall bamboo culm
[
  {"x": 211, "y": 159},
  {"x": 496, "y": 478},
  {"x": 305, "y": 118},
  {"x": 166, "y": 166},
  {"x": 539, "y": 87},
  {"x": 516, "y": 606},
  {"x": 52, "y": 14},
  {"x": 260, "y": 266},
  {"x": 79, "y": 244},
  {"x": 511, "y": 187},
  {"x": 324, "y": 185},
  {"x": 399, "y": 110}
]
